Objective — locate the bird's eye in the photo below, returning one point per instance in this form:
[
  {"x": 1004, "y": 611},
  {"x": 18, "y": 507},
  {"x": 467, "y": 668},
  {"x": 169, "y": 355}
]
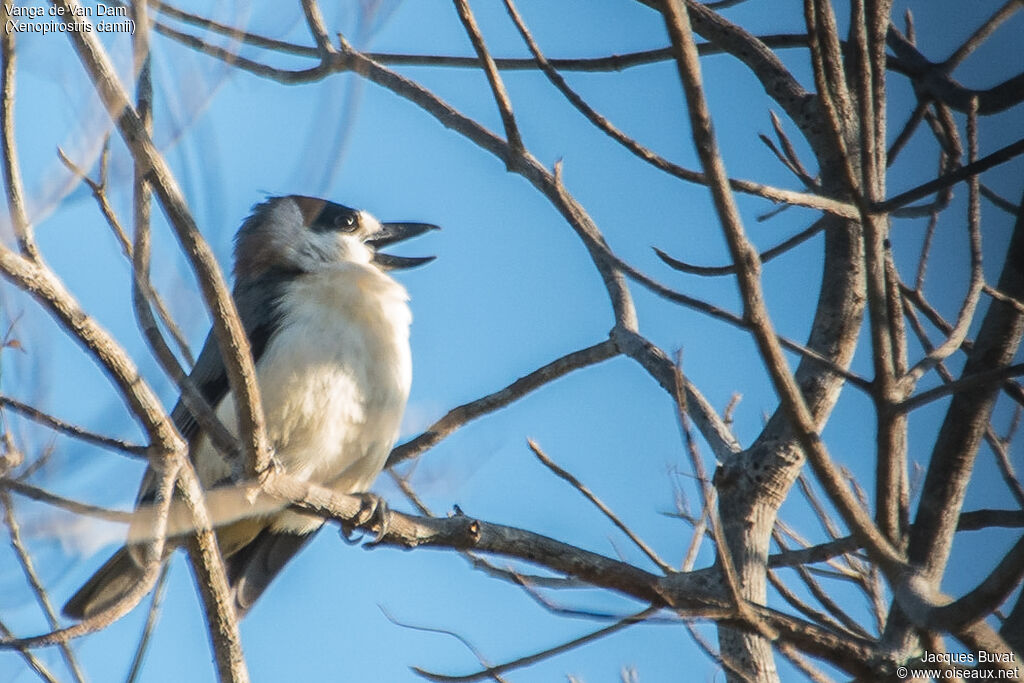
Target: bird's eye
[{"x": 345, "y": 222}]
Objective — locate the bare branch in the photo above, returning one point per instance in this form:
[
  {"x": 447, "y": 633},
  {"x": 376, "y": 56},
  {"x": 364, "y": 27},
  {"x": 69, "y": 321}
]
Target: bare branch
[
  {"x": 926, "y": 246},
  {"x": 657, "y": 363},
  {"x": 33, "y": 662},
  {"x": 955, "y": 449},
  {"x": 1000, "y": 202},
  {"x": 906, "y": 132},
  {"x": 845, "y": 622},
  {"x": 147, "y": 629},
  {"x": 143, "y": 293},
  {"x": 456, "y": 417},
  {"x": 1005, "y": 298},
  {"x": 150, "y": 555},
  {"x": 995, "y": 443},
  {"x": 99, "y": 193},
  {"x": 12, "y": 173},
  {"x": 43, "y": 496},
  {"x": 738, "y": 592},
  {"x": 935, "y": 81},
  {"x": 800, "y": 606},
  {"x": 1000, "y": 156},
  {"x": 969, "y": 521},
  {"x": 774, "y": 194},
  {"x": 687, "y": 593},
  {"x": 965, "y": 383},
  {"x": 1011, "y": 389},
  {"x": 311, "y": 8},
  {"x": 981, "y": 34},
  {"x": 212, "y": 583},
  {"x": 71, "y": 430},
  {"x": 227, "y": 327},
  {"x": 508, "y": 119},
  {"x": 44, "y": 286},
  {"x": 977, "y": 281},
  {"x": 743, "y": 253},
  {"x": 492, "y": 671},
  {"x": 42, "y": 597},
  {"x": 724, "y": 316},
  {"x": 340, "y": 63},
  {"x": 986, "y": 597},
  {"x": 617, "y": 62},
  {"x": 429, "y": 629},
  {"x": 765, "y": 256}
]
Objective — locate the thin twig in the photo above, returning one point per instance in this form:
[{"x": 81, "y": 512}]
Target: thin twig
[
  {"x": 1000, "y": 156},
  {"x": 981, "y": 34},
  {"x": 966, "y": 383},
  {"x": 998, "y": 201},
  {"x": 457, "y": 417},
  {"x": 99, "y": 193},
  {"x": 443, "y": 631},
  {"x": 903, "y": 137},
  {"x": 965, "y": 316},
  {"x": 147, "y": 630},
  {"x": 765, "y": 256},
  {"x": 33, "y": 662},
  {"x": 340, "y": 63},
  {"x": 821, "y": 514},
  {"x": 823, "y": 597},
  {"x": 42, "y": 596},
  {"x": 599, "y": 504},
  {"x": 995, "y": 443},
  {"x": 11, "y": 168},
  {"x": 812, "y": 672},
  {"x": 77, "y": 507},
  {"x": 1005, "y": 298},
  {"x": 1012, "y": 389},
  {"x": 211, "y": 580},
  {"x": 501, "y": 98},
  {"x": 68, "y": 429},
  {"x": 150, "y": 554},
  {"x": 972, "y": 520},
  {"x": 145, "y": 406},
  {"x": 733, "y": 319},
  {"x": 926, "y": 246},
  {"x": 540, "y": 656},
  {"x": 647, "y": 155},
  {"x": 801, "y": 606},
  {"x": 708, "y": 494}
]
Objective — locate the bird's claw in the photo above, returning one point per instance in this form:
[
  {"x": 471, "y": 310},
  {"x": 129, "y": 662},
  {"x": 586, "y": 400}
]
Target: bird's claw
[{"x": 373, "y": 512}]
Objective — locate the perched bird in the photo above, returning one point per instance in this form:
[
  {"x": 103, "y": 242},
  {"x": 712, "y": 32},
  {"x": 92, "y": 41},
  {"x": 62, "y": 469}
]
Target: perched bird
[{"x": 329, "y": 332}]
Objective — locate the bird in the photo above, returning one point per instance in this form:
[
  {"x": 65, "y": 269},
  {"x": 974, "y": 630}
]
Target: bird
[{"x": 329, "y": 334}]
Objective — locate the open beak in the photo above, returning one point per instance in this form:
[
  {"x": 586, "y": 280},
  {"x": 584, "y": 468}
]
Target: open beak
[{"x": 392, "y": 233}]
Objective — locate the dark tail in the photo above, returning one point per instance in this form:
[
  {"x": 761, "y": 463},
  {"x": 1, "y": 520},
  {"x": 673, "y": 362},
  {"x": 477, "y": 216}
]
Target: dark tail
[
  {"x": 251, "y": 569},
  {"x": 108, "y": 585}
]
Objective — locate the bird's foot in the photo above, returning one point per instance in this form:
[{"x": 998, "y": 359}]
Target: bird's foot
[{"x": 373, "y": 512}]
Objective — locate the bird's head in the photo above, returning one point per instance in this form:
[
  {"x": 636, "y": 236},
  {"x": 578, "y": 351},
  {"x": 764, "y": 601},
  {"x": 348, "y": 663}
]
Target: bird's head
[{"x": 306, "y": 234}]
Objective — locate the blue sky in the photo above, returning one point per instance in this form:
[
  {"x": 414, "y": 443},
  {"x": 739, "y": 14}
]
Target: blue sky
[{"x": 512, "y": 289}]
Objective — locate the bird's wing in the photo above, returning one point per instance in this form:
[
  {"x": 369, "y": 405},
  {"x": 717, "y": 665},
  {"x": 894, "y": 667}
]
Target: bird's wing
[
  {"x": 257, "y": 308},
  {"x": 256, "y": 304},
  {"x": 251, "y": 569}
]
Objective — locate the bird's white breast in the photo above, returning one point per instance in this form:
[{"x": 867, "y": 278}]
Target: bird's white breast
[{"x": 334, "y": 379}]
